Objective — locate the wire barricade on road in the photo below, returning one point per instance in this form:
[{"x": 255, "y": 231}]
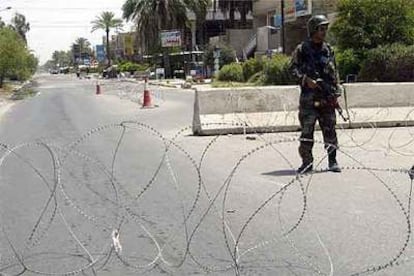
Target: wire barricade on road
[{"x": 183, "y": 211}]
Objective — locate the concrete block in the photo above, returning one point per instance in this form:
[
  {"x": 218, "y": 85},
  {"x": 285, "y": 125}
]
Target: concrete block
[{"x": 274, "y": 108}]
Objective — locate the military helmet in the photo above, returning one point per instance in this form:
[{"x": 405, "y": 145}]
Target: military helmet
[{"x": 316, "y": 21}]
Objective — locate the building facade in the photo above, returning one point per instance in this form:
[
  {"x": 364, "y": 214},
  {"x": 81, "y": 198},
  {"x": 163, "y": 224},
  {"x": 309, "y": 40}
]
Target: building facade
[{"x": 267, "y": 23}]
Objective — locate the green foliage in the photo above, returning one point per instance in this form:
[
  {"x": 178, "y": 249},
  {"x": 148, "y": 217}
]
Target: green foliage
[
  {"x": 20, "y": 26},
  {"x": 367, "y": 24},
  {"x": 258, "y": 78},
  {"x": 152, "y": 16},
  {"x": 349, "y": 62},
  {"x": 227, "y": 55},
  {"x": 106, "y": 21},
  {"x": 2, "y": 24},
  {"x": 276, "y": 71},
  {"x": 61, "y": 58},
  {"x": 30, "y": 63},
  {"x": 132, "y": 67},
  {"x": 389, "y": 63},
  {"x": 251, "y": 67},
  {"x": 231, "y": 72},
  {"x": 16, "y": 60}
]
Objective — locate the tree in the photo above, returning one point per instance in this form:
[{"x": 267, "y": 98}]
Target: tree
[
  {"x": 84, "y": 45},
  {"x": 61, "y": 58},
  {"x": 367, "y": 24},
  {"x": 19, "y": 24},
  {"x": 2, "y": 24},
  {"x": 16, "y": 60},
  {"x": 152, "y": 16},
  {"x": 107, "y": 21},
  {"x": 227, "y": 55}
]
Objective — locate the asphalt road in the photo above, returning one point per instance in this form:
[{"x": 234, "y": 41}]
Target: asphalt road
[{"x": 95, "y": 185}]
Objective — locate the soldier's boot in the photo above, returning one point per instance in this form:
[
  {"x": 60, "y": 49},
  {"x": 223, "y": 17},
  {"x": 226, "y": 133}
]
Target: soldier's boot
[
  {"x": 306, "y": 167},
  {"x": 333, "y": 164}
]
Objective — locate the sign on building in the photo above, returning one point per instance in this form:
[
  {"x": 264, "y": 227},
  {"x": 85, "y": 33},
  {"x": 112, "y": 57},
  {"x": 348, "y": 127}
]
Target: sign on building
[
  {"x": 76, "y": 52},
  {"x": 170, "y": 38},
  {"x": 290, "y": 11},
  {"x": 293, "y": 9},
  {"x": 100, "y": 53},
  {"x": 303, "y": 7},
  {"x": 129, "y": 45}
]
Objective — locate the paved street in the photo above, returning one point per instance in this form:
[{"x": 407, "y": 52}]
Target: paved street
[{"x": 95, "y": 185}]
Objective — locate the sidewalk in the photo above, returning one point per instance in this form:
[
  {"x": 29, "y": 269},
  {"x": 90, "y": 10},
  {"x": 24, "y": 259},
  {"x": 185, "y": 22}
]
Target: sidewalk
[
  {"x": 6, "y": 98},
  {"x": 286, "y": 121}
]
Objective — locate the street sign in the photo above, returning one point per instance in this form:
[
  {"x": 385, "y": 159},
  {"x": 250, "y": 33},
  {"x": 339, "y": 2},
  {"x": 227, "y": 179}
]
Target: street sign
[
  {"x": 290, "y": 11},
  {"x": 277, "y": 21},
  {"x": 100, "y": 53},
  {"x": 170, "y": 39},
  {"x": 129, "y": 45},
  {"x": 303, "y": 7},
  {"x": 76, "y": 51}
]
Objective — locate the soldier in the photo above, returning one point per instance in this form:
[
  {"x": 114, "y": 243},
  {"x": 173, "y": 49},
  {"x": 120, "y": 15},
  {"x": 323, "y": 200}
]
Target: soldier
[{"x": 313, "y": 64}]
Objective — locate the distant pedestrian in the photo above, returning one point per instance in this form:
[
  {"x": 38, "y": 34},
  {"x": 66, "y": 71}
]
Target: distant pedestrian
[
  {"x": 78, "y": 73},
  {"x": 313, "y": 64}
]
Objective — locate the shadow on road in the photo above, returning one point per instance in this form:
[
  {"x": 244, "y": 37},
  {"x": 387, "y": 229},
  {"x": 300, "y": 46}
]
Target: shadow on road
[{"x": 290, "y": 172}]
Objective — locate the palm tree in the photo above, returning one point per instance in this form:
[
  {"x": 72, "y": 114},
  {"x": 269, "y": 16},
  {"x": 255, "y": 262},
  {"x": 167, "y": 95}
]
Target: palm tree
[
  {"x": 106, "y": 21},
  {"x": 152, "y": 16},
  {"x": 84, "y": 45}
]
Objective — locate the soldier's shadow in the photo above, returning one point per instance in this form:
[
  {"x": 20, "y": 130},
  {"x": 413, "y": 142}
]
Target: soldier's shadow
[{"x": 290, "y": 172}]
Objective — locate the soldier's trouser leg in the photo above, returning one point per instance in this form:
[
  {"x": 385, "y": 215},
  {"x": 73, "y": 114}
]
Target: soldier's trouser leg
[
  {"x": 307, "y": 119},
  {"x": 327, "y": 122}
]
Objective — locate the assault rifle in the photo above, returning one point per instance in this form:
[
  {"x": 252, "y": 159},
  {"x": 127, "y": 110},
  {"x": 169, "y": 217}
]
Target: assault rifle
[{"x": 328, "y": 98}]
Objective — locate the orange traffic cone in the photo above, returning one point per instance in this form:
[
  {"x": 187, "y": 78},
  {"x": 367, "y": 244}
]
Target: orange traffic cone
[
  {"x": 147, "y": 96},
  {"x": 98, "y": 88}
]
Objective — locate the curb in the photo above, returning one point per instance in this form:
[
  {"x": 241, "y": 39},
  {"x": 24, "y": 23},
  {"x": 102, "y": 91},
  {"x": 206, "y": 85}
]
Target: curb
[
  {"x": 163, "y": 85},
  {"x": 295, "y": 128}
]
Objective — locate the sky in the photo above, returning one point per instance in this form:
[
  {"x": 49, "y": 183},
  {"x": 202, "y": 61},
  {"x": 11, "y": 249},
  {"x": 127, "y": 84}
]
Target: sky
[{"x": 55, "y": 24}]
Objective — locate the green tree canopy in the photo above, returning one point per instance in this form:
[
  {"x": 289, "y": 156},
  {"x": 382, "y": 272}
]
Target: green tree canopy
[
  {"x": 106, "y": 21},
  {"x": 15, "y": 59},
  {"x": 2, "y": 24},
  {"x": 19, "y": 25},
  {"x": 61, "y": 58},
  {"x": 367, "y": 24},
  {"x": 84, "y": 44},
  {"x": 152, "y": 16}
]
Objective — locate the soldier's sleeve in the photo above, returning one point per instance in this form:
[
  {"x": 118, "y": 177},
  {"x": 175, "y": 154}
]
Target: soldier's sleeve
[{"x": 295, "y": 66}]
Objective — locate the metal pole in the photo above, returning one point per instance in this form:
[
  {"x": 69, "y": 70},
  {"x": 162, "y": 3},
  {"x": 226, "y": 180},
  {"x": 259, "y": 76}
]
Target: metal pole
[{"x": 282, "y": 11}]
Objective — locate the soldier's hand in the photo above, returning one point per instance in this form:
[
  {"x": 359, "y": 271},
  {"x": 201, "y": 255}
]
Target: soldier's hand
[{"x": 312, "y": 84}]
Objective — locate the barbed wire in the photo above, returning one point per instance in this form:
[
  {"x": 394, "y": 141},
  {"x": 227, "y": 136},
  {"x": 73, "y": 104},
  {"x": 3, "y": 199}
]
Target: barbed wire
[{"x": 75, "y": 201}]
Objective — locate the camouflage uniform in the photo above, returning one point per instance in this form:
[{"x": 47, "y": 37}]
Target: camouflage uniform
[{"x": 316, "y": 62}]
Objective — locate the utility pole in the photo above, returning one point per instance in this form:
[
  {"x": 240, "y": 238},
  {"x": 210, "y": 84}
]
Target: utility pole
[{"x": 282, "y": 12}]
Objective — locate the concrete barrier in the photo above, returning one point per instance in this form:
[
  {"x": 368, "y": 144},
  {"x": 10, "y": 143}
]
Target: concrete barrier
[
  {"x": 380, "y": 94},
  {"x": 274, "y": 108}
]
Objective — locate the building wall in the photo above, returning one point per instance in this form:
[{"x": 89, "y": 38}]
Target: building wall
[
  {"x": 295, "y": 32},
  {"x": 239, "y": 38},
  {"x": 261, "y": 7}
]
